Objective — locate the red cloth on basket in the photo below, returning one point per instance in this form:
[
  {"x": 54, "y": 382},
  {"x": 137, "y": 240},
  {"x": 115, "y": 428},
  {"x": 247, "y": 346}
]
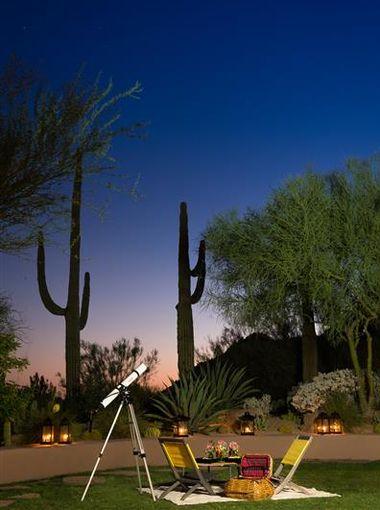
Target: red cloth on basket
[{"x": 257, "y": 466}]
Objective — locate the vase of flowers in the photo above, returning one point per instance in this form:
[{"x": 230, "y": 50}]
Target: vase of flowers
[
  {"x": 233, "y": 449},
  {"x": 221, "y": 449}
]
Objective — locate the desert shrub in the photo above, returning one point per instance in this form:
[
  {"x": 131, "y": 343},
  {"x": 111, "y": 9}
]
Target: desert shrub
[
  {"x": 310, "y": 397},
  {"x": 77, "y": 429},
  {"x": 103, "y": 421},
  {"x": 346, "y": 407},
  {"x": 152, "y": 430},
  {"x": 287, "y": 426},
  {"x": 202, "y": 395},
  {"x": 260, "y": 409},
  {"x": 292, "y": 417},
  {"x": 376, "y": 378},
  {"x": 94, "y": 435}
]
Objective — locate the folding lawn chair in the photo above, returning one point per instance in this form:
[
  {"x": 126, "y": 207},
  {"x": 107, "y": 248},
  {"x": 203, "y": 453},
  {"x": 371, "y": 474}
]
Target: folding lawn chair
[
  {"x": 292, "y": 459},
  {"x": 180, "y": 457}
]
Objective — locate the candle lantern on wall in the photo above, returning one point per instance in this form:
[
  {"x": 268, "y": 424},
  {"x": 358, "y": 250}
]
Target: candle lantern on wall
[
  {"x": 322, "y": 424},
  {"x": 47, "y": 432},
  {"x": 64, "y": 432},
  {"x": 247, "y": 424},
  {"x": 181, "y": 427},
  {"x": 335, "y": 424}
]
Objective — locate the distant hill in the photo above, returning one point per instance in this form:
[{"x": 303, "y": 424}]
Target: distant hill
[{"x": 276, "y": 365}]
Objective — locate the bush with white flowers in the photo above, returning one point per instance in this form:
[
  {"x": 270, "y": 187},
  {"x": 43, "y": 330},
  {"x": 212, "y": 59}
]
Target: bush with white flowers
[{"x": 309, "y": 397}]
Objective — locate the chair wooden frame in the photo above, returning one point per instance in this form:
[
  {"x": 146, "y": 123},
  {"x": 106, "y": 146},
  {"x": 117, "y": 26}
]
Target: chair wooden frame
[
  {"x": 292, "y": 457},
  {"x": 180, "y": 457}
]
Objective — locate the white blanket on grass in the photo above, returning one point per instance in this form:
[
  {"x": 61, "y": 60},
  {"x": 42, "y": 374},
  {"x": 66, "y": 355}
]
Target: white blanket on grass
[{"x": 201, "y": 497}]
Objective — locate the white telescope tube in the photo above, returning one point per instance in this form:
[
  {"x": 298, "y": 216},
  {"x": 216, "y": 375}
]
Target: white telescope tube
[{"x": 127, "y": 382}]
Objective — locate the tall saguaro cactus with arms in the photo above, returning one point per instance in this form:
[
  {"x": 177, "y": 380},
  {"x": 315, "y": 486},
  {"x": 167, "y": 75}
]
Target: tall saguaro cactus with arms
[
  {"x": 89, "y": 116},
  {"x": 186, "y": 299},
  {"x": 75, "y": 313}
]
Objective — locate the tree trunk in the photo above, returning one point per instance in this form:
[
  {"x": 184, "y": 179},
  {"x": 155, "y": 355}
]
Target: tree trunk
[
  {"x": 371, "y": 382},
  {"x": 358, "y": 371},
  {"x": 309, "y": 343},
  {"x": 7, "y": 433}
]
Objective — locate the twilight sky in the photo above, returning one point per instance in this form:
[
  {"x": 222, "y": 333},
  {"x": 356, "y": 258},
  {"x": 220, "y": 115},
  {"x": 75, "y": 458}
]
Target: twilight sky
[{"x": 239, "y": 95}]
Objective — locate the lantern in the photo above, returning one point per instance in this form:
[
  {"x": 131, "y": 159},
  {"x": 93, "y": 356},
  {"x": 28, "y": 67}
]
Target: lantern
[
  {"x": 180, "y": 427},
  {"x": 64, "y": 432},
  {"x": 47, "y": 434},
  {"x": 322, "y": 424},
  {"x": 247, "y": 424},
  {"x": 335, "y": 424}
]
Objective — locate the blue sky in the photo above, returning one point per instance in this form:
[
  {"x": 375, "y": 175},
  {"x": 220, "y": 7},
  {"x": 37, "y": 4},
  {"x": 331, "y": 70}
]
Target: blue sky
[{"x": 239, "y": 96}]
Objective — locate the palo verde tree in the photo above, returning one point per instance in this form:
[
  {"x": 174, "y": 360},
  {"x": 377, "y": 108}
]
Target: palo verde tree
[
  {"x": 89, "y": 112},
  {"x": 264, "y": 265},
  {"x": 34, "y": 157},
  {"x": 349, "y": 292},
  {"x": 187, "y": 298},
  {"x": 11, "y": 400}
]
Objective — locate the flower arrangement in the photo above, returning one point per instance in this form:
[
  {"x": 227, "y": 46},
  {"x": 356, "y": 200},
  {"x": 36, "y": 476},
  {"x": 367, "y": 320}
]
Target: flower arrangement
[
  {"x": 233, "y": 448},
  {"x": 221, "y": 449}
]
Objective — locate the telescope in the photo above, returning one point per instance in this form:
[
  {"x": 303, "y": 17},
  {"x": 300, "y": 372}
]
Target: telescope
[
  {"x": 137, "y": 444},
  {"x": 138, "y": 372}
]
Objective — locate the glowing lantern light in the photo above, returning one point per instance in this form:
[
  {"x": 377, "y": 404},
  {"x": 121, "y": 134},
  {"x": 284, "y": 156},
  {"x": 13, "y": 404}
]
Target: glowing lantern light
[
  {"x": 247, "y": 424},
  {"x": 181, "y": 427},
  {"x": 64, "y": 432},
  {"x": 47, "y": 434}
]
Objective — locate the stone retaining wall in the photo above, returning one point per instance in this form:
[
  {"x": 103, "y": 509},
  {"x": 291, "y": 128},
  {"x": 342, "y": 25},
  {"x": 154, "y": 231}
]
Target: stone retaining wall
[{"x": 36, "y": 462}]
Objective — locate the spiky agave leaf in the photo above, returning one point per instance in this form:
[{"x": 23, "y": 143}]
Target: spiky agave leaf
[{"x": 202, "y": 395}]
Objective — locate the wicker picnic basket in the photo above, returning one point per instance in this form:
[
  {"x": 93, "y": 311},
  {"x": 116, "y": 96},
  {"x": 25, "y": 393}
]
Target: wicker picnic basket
[{"x": 247, "y": 488}]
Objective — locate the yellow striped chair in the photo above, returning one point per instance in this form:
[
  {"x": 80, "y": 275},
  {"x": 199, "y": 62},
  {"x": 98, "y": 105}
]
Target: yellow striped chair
[
  {"x": 290, "y": 463},
  {"x": 180, "y": 458}
]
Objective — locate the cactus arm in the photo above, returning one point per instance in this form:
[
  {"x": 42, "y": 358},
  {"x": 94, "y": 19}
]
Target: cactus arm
[
  {"x": 42, "y": 286},
  {"x": 85, "y": 301},
  {"x": 199, "y": 268},
  {"x": 199, "y": 271}
]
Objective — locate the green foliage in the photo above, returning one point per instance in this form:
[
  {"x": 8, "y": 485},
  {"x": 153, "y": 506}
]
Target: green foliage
[
  {"x": 77, "y": 429},
  {"x": 12, "y": 401},
  {"x": 151, "y": 431},
  {"x": 287, "y": 426},
  {"x": 104, "y": 418},
  {"x": 376, "y": 428},
  {"x": 103, "y": 368},
  {"x": 260, "y": 409},
  {"x": 202, "y": 395},
  {"x": 292, "y": 417},
  {"x": 263, "y": 263},
  {"x": 312, "y": 252},
  {"x": 94, "y": 435},
  {"x": 346, "y": 407},
  {"x": 42, "y": 391}
]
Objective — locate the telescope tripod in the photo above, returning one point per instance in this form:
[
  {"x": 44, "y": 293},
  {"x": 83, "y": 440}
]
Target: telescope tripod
[{"x": 137, "y": 444}]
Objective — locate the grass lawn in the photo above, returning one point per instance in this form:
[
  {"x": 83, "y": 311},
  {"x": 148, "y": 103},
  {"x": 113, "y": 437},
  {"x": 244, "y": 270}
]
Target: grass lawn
[{"x": 358, "y": 483}]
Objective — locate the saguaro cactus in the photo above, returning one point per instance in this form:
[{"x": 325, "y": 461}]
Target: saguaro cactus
[
  {"x": 186, "y": 299},
  {"x": 75, "y": 314}
]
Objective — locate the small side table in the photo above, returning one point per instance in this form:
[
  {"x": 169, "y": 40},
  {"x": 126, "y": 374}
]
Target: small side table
[{"x": 217, "y": 464}]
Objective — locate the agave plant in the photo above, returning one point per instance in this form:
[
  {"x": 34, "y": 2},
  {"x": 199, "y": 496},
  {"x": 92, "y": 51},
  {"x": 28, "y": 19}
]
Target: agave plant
[{"x": 202, "y": 395}]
